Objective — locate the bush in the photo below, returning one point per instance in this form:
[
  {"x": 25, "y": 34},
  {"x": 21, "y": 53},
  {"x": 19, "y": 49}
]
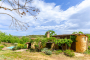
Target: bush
[
  {"x": 89, "y": 47},
  {"x": 58, "y": 51},
  {"x": 87, "y": 52},
  {"x": 25, "y": 46},
  {"x": 44, "y": 49},
  {"x": 33, "y": 50},
  {"x": 69, "y": 53},
  {"x": 20, "y": 46},
  {"x": 14, "y": 48},
  {"x": 48, "y": 52},
  {"x": 1, "y": 46}
]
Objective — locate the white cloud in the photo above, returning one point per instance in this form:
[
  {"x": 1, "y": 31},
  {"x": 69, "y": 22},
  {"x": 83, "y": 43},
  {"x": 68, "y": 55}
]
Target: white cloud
[{"x": 77, "y": 18}]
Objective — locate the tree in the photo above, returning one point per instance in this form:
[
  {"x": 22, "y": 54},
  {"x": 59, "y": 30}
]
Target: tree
[
  {"x": 21, "y": 9},
  {"x": 51, "y": 33},
  {"x": 74, "y": 33},
  {"x": 78, "y": 32}
]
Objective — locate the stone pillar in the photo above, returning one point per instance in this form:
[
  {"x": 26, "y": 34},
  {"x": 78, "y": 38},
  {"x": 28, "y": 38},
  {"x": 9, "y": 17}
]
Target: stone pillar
[
  {"x": 27, "y": 45},
  {"x": 48, "y": 34},
  {"x": 52, "y": 46}
]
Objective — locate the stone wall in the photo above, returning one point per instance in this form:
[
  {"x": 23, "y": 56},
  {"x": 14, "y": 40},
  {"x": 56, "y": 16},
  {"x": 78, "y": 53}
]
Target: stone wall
[{"x": 81, "y": 44}]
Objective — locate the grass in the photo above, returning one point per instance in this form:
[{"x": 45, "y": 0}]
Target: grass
[
  {"x": 27, "y": 55},
  {"x": 21, "y": 55}
]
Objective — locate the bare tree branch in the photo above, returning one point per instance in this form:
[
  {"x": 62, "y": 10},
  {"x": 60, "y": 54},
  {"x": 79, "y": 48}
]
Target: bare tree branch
[
  {"x": 22, "y": 10},
  {"x": 17, "y": 24}
]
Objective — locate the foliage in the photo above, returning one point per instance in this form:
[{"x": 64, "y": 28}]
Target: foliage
[
  {"x": 1, "y": 46},
  {"x": 73, "y": 38},
  {"x": 48, "y": 52},
  {"x": 51, "y": 33},
  {"x": 69, "y": 53},
  {"x": 74, "y": 33},
  {"x": 25, "y": 46},
  {"x": 63, "y": 41},
  {"x": 19, "y": 46},
  {"x": 53, "y": 40},
  {"x": 34, "y": 50},
  {"x": 87, "y": 52},
  {"x": 25, "y": 39},
  {"x": 78, "y": 32},
  {"x": 88, "y": 36},
  {"x": 58, "y": 51},
  {"x": 44, "y": 49},
  {"x": 12, "y": 39},
  {"x": 0, "y": 41},
  {"x": 89, "y": 47}
]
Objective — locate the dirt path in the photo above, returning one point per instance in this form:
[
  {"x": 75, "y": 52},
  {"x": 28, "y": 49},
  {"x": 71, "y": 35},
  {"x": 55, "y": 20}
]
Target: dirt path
[
  {"x": 79, "y": 54},
  {"x": 21, "y": 50}
]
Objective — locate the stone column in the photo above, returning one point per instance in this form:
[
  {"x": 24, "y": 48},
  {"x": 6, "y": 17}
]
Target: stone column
[
  {"x": 48, "y": 34},
  {"x": 27, "y": 45}
]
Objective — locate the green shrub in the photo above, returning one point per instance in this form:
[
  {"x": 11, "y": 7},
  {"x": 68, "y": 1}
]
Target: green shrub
[
  {"x": 32, "y": 50},
  {"x": 58, "y": 51},
  {"x": 48, "y": 52},
  {"x": 25, "y": 46},
  {"x": 20, "y": 46},
  {"x": 14, "y": 48},
  {"x": 44, "y": 49},
  {"x": 1, "y": 46},
  {"x": 69, "y": 53},
  {"x": 87, "y": 52},
  {"x": 89, "y": 47}
]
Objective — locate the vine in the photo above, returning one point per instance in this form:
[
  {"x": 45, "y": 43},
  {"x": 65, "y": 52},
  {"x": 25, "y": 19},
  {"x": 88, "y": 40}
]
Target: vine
[
  {"x": 53, "y": 40},
  {"x": 63, "y": 41},
  {"x": 73, "y": 38}
]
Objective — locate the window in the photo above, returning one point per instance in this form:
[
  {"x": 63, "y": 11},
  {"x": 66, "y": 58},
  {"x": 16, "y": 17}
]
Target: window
[{"x": 84, "y": 38}]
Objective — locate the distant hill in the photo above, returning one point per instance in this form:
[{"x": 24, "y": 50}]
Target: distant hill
[
  {"x": 19, "y": 36},
  {"x": 32, "y": 36},
  {"x": 35, "y": 36}
]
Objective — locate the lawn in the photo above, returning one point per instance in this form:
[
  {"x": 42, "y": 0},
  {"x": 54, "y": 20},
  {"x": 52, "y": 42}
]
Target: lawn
[{"x": 27, "y": 55}]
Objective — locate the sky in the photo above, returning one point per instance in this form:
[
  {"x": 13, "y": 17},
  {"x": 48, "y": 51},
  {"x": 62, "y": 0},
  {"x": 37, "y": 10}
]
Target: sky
[{"x": 61, "y": 16}]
